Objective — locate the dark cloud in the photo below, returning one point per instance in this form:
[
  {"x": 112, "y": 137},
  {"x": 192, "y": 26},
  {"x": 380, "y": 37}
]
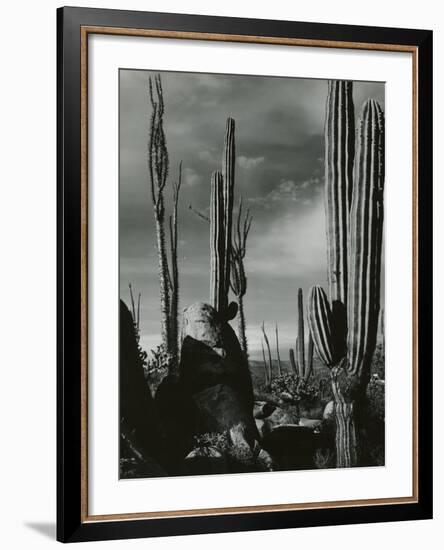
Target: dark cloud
[{"x": 279, "y": 173}]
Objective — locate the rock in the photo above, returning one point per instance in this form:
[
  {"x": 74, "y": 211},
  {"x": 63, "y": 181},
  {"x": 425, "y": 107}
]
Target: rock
[
  {"x": 210, "y": 452},
  {"x": 205, "y": 460},
  {"x": 177, "y": 415},
  {"x": 329, "y": 411},
  {"x": 311, "y": 423},
  {"x": 259, "y": 425},
  {"x": 262, "y": 409},
  {"x": 309, "y": 408},
  {"x": 291, "y": 446},
  {"x": 287, "y": 397},
  {"x": 139, "y": 419},
  {"x": 211, "y": 353},
  {"x": 219, "y": 408},
  {"x": 279, "y": 417}
]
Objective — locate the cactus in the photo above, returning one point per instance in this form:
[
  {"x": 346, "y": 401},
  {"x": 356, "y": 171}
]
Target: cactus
[
  {"x": 358, "y": 290},
  {"x": 294, "y": 367},
  {"x": 267, "y": 378},
  {"x": 174, "y": 279},
  {"x": 221, "y": 221},
  {"x": 300, "y": 343},
  {"x": 278, "y": 355},
  {"x": 217, "y": 243},
  {"x": 366, "y": 223},
  {"x": 320, "y": 322},
  {"x": 270, "y": 361},
  {"x": 228, "y": 161},
  {"x": 339, "y": 155},
  {"x": 238, "y": 278},
  {"x": 303, "y": 365}
]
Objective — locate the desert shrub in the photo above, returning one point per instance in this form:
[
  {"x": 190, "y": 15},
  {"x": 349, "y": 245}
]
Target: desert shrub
[
  {"x": 286, "y": 383},
  {"x": 157, "y": 366},
  {"x": 215, "y": 440}
]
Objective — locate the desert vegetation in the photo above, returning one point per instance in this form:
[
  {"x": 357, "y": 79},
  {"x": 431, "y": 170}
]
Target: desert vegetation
[{"x": 198, "y": 403}]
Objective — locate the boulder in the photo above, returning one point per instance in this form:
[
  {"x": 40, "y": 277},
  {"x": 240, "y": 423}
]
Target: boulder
[
  {"x": 211, "y": 353},
  {"x": 291, "y": 446},
  {"x": 329, "y": 411},
  {"x": 280, "y": 416},
  {"x": 220, "y": 408},
  {"x": 205, "y": 460},
  {"x": 138, "y": 416},
  {"x": 262, "y": 409},
  {"x": 311, "y": 423}
]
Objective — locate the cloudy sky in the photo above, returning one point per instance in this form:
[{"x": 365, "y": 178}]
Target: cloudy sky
[{"x": 279, "y": 173}]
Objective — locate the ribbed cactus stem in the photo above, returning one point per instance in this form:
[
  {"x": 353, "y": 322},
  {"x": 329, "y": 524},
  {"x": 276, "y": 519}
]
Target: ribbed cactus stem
[
  {"x": 309, "y": 360},
  {"x": 300, "y": 342},
  {"x": 339, "y": 157},
  {"x": 293, "y": 362},
  {"x": 217, "y": 243},
  {"x": 228, "y": 162},
  {"x": 320, "y": 322},
  {"x": 366, "y": 225}
]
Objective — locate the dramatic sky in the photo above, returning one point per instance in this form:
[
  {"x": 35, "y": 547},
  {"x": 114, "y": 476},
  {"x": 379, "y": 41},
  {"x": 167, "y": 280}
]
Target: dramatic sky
[{"x": 279, "y": 173}]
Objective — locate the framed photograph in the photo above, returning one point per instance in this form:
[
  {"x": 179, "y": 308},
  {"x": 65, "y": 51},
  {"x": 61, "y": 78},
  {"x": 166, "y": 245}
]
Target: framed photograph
[{"x": 244, "y": 274}]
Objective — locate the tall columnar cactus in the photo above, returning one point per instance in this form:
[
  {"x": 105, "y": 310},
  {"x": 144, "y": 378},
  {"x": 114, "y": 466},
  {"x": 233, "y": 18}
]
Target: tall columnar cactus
[
  {"x": 221, "y": 221},
  {"x": 350, "y": 364},
  {"x": 174, "y": 277},
  {"x": 217, "y": 243},
  {"x": 158, "y": 165},
  {"x": 339, "y": 156},
  {"x": 303, "y": 364},
  {"x": 228, "y": 162},
  {"x": 366, "y": 224},
  {"x": 238, "y": 278}
]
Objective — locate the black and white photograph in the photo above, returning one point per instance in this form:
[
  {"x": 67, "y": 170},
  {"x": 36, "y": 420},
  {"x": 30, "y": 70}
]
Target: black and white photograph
[{"x": 251, "y": 212}]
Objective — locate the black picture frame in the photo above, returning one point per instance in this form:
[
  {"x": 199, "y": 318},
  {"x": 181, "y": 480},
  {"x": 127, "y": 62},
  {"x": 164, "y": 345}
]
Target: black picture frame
[{"x": 71, "y": 523}]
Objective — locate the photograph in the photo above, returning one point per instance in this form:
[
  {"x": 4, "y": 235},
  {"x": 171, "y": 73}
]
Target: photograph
[{"x": 251, "y": 274}]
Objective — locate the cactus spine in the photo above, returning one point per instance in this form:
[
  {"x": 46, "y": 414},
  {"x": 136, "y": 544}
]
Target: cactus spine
[
  {"x": 357, "y": 289},
  {"x": 339, "y": 155}
]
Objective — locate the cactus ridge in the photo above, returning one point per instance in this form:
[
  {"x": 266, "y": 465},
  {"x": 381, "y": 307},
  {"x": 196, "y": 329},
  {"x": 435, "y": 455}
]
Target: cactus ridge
[
  {"x": 365, "y": 240},
  {"x": 339, "y": 157},
  {"x": 320, "y": 321}
]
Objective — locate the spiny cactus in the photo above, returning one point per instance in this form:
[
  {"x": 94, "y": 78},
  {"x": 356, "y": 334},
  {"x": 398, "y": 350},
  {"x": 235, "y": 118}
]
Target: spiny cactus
[
  {"x": 221, "y": 221},
  {"x": 339, "y": 155},
  {"x": 366, "y": 224},
  {"x": 320, "y": 322},
  {"x": 238, "y": 278},
  {"x": 158, "y": 165},
  {"x": 174, "y": 278},
  {"x": 278, "y": 355},
  {"x": 217, "y": 243},
  {"x": 359, "y": 289},
  {"x": 304, "y": 363}
]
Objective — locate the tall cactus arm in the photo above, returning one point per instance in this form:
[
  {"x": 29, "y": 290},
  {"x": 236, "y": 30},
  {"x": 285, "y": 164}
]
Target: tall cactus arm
[
  {"x": 366, "y": 225},
  {"x": 339, "y": 157},
  {"x": 300, "y": 342},
  {"x": 217, "y": 243},
  {"x": 228, "y": 162},
  {"x": 320, "y": 323}
]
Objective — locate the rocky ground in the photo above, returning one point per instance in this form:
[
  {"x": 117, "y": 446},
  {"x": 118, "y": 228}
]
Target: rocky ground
[{"x": 215, "y": 415}]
